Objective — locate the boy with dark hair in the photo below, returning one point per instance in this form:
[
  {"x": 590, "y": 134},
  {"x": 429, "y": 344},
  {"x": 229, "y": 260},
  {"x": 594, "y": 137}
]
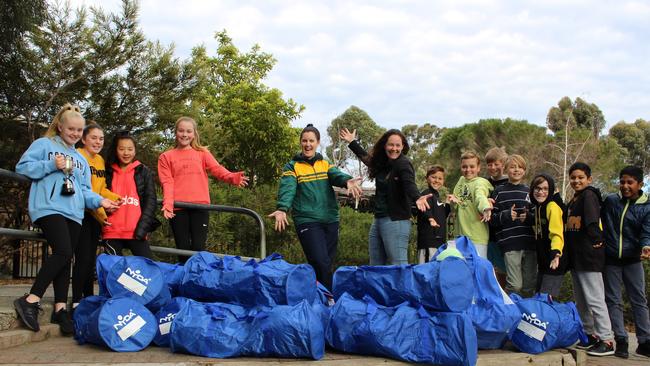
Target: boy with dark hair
[
  {"x": 584, "y": 241},
  {"x": 626, "y": 228},
  {"x": 495, "y": 159},
  {"x": 432, "y": 223},
  {"x": 514, "y": 232}
]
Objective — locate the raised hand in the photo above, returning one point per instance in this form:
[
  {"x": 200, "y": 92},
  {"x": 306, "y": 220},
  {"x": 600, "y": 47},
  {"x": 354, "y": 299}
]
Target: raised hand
[
  {"x": 244, "y": 182},
  {"x": 353, "y": 187},
  {"x": 422, "y": 202},
  {"x": 347, "y": 136},
  {"x": 281, "y": 221}
]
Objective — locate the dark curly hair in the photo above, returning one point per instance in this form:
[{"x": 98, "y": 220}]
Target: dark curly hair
[{"x": 378, "y": 157}]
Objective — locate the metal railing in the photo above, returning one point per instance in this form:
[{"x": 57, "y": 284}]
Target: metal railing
[{"x": 38, "y": 236}]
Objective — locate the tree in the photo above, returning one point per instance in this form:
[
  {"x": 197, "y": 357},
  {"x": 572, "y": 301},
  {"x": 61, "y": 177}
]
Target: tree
[
  {"x": 368, "y": 132},
  {"x": 517, "y": 136},
  {"x": 580, "y": 114},
  {"x": 635, "y": 138},
  {"x": 422, "y": 141},
  {"x": 576, "y": 128},
  {"x": 247, "y": 123}
]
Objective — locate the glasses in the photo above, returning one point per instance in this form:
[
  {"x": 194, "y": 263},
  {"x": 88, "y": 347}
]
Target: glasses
[{"x": 540, "y": 189}]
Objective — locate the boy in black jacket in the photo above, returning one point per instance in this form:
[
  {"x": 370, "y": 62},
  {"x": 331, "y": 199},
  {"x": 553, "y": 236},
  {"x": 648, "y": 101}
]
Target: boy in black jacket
[
  {"x": 432, "y": 223},
  {"x": 584, "y": 240}
]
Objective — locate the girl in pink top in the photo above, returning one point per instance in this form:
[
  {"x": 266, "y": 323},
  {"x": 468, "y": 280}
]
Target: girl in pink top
[{"x": 183, "y": 173}]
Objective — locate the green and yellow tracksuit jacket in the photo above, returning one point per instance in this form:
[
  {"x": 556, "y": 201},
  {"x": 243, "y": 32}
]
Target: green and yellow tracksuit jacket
[{"x": 306, "y": 189}]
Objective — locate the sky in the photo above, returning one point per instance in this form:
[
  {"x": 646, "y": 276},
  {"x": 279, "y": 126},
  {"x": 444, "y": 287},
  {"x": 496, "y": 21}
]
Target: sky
[{"x": 441, "y": 62}]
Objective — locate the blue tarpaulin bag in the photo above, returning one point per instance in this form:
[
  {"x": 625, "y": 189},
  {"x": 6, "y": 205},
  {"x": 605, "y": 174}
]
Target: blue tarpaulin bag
[
  {"x": 164, "y": 316},
  {"x": 272, "y": 281},
  {"x": 545, "y": 324},
  {"x": 103, "y": 265},
  {"x": 225, "y": 330},
  {"x": 402, "y": 332},
  {"x": 138, "y": 278},
  {"x": 172, "y": 274},
  {"x": 442, "y": 286},
  {"x": 121, "y": 324},
  {"x": 492, "y": 312}
]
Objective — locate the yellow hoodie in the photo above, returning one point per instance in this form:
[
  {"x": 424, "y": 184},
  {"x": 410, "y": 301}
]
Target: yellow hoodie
[{"x": 98, "y": 182}]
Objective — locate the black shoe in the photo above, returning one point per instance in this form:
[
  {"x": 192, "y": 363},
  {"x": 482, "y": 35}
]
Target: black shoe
[
  {"x": 601, "y": 348},
  {"x": 28, "y": 312},
  {"x": 62, "y": 318},
  {"x": 621, "y": 348},
  {"x": 644, "y": 349},
  {"x": 592, "y": 340}
]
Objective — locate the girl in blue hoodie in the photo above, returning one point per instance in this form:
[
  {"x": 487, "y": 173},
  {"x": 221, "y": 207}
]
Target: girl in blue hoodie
[{"x": 57, "y": 211}]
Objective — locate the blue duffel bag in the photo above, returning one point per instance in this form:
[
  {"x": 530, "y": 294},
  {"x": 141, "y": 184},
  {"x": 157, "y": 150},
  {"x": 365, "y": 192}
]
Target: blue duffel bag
[
  {"x": 103, "y": 265},
  {"x": 545, "y": 324},
  {"x": 226, "y": 330},
  {"x": 492, "y": 312},
  {"x": 121, "y": 324},
  {"x": 443, "y": 286},
  {"x": 138, "y": 278},
  {"x": 401, "y": 332},
  {"x": 272, "y": 281},
  {"x": 165, "y": 316}
]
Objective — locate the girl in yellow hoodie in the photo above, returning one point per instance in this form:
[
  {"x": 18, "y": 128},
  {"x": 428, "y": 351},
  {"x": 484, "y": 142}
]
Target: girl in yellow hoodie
[{"x": 92, "y": 142}]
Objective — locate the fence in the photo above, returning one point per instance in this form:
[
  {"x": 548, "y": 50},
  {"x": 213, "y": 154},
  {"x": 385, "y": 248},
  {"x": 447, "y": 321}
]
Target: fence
[{"x": 27, "y": 261}]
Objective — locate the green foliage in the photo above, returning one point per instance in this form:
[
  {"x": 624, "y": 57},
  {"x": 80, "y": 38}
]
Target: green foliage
[
  {"x": 423, "y": 140},
  {"x": 248, "y": 123},
  {"x": 580, "y": 114},
  {"x": 354, "y": 118},
  {"x": 635, "y": 138},
  {"x": 518, "y": 136}
]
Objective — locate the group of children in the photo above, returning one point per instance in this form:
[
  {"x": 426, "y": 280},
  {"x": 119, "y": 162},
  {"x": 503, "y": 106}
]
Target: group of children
[
  {"x": 77, "y": 199},
  {"x": 533, "y": 238},
  {"x": 528, "y": 233}
]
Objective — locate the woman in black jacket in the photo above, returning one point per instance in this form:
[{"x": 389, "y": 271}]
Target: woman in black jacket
[
  {"x": 395, "y": 193},
  {"x": 136, "y": 218}
]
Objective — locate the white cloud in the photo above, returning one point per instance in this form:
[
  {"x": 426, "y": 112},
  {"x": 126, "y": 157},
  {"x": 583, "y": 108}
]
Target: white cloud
[{"x": 430, "y": 61}]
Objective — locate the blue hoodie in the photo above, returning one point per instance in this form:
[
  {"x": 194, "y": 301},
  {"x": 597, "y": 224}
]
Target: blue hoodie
[{"x": 38, "y": 163}]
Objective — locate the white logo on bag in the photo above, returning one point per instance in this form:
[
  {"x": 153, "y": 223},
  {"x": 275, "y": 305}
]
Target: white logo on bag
[
  {"x": 532, "y": 319},
  {"x": 136, "y": 274},
  {"x": 168, "y": 318},
  {"x": 123, "y": 320}
]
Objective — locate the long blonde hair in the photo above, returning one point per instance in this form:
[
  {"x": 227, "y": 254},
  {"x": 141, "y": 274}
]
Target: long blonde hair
[
  {"x": 196, "y": 142},
  {"x": 65, "y": 113}
]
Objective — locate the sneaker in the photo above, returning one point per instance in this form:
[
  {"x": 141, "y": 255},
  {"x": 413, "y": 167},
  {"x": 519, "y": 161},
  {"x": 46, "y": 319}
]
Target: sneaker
[
  {"x": 601, "y": 348},
  {"x": 621, "y": 348},
  {"x": 592, "y": 340},
  {"x": 644, "y": 349},
  {"x": 62, "y": 318},
  {"x": 28, "y": 312}
]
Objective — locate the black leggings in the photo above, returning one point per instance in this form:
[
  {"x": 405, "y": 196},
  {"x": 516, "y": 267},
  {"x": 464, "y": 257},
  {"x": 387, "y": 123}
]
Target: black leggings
[
  {"x": 138, "y": 247},
  {"x": 190, "y": 228},
  {"x": 62, "y": 235},
  {"x": 85, "y": 255}
]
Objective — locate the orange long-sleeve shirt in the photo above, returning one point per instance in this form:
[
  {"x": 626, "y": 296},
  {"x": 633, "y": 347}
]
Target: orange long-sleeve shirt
[{"x": 183, "y": 175}]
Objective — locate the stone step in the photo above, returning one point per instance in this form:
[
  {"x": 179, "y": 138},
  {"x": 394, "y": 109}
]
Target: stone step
[
  {"x": 22, "y": 336},
  {"x": 9, "y": 318}
]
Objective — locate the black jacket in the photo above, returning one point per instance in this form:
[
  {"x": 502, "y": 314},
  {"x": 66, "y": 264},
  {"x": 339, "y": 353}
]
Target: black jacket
[
  {"x": 583, "y": 237},
  {"x": 400, "y": 175},
  {"x": 146, "y": 188},
  {"x": 429, "y": 236}
]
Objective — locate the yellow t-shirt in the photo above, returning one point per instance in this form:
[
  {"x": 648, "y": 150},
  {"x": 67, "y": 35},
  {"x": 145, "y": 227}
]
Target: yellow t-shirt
[{"x": 98, "y": 182}]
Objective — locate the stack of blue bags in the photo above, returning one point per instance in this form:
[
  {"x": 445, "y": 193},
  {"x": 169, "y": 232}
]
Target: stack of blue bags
[
  {"x": 439, "y": 312},
  {"x": 211, "y": 306}
]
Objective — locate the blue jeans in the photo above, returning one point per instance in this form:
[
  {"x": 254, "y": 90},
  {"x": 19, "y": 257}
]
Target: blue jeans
[
  {"x": 388, "y": 241},
  {"x": 319, "y": 242},
  {"x": 632, "y": 277}
]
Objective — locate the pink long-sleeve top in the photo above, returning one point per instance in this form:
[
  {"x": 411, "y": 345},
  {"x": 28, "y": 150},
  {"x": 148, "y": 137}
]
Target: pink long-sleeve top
[{"x": 184, "y": 175}]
